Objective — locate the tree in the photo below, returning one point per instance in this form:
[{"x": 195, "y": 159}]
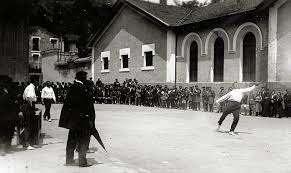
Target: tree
[{"x": 191, "y": 4}]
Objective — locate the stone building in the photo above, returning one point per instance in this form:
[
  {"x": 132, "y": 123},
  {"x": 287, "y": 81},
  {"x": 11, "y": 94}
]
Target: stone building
[
  {"x": 52, "y": 58},
  {"x": 231, "y": 40}
]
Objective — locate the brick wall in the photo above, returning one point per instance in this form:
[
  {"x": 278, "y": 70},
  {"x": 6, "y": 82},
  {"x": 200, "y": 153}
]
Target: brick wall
[{"x": 131, "y": 30}]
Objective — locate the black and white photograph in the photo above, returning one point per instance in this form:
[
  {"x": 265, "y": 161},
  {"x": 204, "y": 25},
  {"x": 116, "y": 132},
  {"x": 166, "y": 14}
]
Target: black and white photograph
[{"x": 145, "y": 86}]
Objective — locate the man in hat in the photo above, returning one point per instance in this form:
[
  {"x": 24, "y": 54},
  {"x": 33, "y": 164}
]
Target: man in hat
[
  {"x": 77, "y": 115},
  {"x": 233, "y": 105}
]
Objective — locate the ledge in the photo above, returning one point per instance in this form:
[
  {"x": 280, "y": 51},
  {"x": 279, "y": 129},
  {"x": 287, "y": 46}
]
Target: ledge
[
  {"x": 105, "y": 71},
  {"x": 124, "y": 70},
  {"x": 82, "y": 60},
  {"x": 61, "y": 63},
  {"x": 148, "y": 68}
]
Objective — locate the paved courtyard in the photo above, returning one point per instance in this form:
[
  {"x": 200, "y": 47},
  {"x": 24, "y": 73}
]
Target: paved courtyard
[{"x": 143, "y": 139}]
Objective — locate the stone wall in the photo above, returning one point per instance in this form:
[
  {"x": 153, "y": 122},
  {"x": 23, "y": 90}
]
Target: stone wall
[
  {"x": 283, "y": 43},
  {"x": 61, "y": 73},
  {"x": 232, "y": 30},
  {"x": 130, "y": 29}
]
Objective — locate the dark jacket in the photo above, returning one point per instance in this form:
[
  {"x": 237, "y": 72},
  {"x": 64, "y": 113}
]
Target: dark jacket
[{"x": 78, "y": 108}]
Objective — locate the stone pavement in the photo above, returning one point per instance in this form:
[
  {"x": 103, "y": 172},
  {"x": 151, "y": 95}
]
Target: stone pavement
[{"x": 143, "y": 139}]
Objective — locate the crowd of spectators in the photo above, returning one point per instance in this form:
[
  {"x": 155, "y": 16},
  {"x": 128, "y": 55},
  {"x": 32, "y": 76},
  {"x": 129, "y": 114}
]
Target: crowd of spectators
[{"x": 260, "y": 103}]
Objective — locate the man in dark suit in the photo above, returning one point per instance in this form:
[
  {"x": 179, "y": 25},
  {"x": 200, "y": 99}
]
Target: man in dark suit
[{"x": 78, "y": 116}]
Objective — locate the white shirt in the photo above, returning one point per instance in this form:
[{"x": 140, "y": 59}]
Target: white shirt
[
  {"x": 29, "y": 93},
  {"x": 235, "y": 95},
  {"x": 48, "y": 93}
]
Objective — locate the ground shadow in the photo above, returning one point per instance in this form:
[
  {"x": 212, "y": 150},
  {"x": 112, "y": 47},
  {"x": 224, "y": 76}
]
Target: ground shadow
[
  {"x": 221, "y": 131},
  {"x": 90, "y": 161}
]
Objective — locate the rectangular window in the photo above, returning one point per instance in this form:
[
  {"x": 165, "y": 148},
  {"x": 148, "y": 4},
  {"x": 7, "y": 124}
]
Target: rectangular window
[
  {"x": 124, "y": 61},
  {"x": 148, "y": 54},
  {"x": 35, "y": 44},
  {"x": 149, "y": 58},
  {"x": 105, "y": 58},
  {"x": 35, "y": 61},
  {"x": 54, "y": 42},
  {"x": 105, "y": 63}
]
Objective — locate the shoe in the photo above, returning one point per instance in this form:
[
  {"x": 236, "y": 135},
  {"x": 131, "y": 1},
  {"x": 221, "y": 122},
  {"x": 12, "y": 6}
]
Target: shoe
[
  {"x": 85, "y": 165},
  {"x": 232, "y": 133},
  {"x": 30, "y": 148},
  {"x": 218, "y": 128},
  {"x": 49, "y": 120}
]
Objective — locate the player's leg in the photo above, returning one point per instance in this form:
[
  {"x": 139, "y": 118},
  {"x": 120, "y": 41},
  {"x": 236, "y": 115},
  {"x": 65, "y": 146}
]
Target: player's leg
[
  {"x": 235, "y": 121},
  {"x": 230, "y": 106}
]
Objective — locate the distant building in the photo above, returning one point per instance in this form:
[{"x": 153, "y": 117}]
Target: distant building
[
  {"x": 52, "y": 58},
  {"x": 230, "y": 40}
]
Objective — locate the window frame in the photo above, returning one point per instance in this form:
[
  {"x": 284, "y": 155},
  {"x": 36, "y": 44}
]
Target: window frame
[
  {"x": 53, "y": 38},
  {"x": 148, "y": 48},
  {"x": 122, "y": 52},
  {"x": 105, "y": 54},
  {"x": 35, "y": 37},
  {"x": 38, "y": 61}
]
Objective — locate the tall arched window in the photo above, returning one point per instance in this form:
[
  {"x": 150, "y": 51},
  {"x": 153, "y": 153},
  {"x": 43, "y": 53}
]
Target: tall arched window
[
  {"x": 249, "y": 58},
  {"x": 218, "y": 60},
  {"x": 193, "y": 62}
]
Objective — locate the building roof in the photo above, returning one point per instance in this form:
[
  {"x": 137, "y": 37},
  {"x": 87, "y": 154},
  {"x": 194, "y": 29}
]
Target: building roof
[
  {"x": 222, "y": 9},
  {"x": 168, "y": 14},
  {"x": 173, "y": 16}
]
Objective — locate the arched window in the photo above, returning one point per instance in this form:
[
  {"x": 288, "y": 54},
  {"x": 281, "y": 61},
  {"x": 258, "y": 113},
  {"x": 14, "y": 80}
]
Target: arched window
[
  {"x": 193, "y": 62},
  {"x": 218, "y": 60},
  {"x": 249, "y": 58}
]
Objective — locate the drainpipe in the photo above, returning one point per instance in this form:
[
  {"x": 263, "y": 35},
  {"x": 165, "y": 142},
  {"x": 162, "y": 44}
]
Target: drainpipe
[{"x": 176, "y": 59}]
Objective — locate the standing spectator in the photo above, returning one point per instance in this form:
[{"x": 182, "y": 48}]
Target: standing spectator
[
  {"x": 273, "y": 104},
  {"x": 197, "y": 101},
  {"x": 204, "y": 99},
  {"x": 116, "y": 84},
  {"x": 8, "y": 114},
  {"x": 48, "y": 97},
  {"x": 99, "y": 83},
  {"x": 281, "y": 105},
  {"x": 258, "y": 103},
  {"x": 287, "y": 98},
  {"x": 77, "y": 115},
  {"x": 251, "y": 102},
  {"x": 138, "y": 96},
  {"x": 222, "y": 105},
  {"x": 29, "y": 97},
  {"x": 211, "y": 97},
  {"x": 266, "y": 102}
]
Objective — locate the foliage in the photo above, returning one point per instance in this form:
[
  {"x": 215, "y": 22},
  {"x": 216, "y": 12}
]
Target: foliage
[
  {"x": 71, "y": 17},
  {"x": 191, "y": 4}
]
